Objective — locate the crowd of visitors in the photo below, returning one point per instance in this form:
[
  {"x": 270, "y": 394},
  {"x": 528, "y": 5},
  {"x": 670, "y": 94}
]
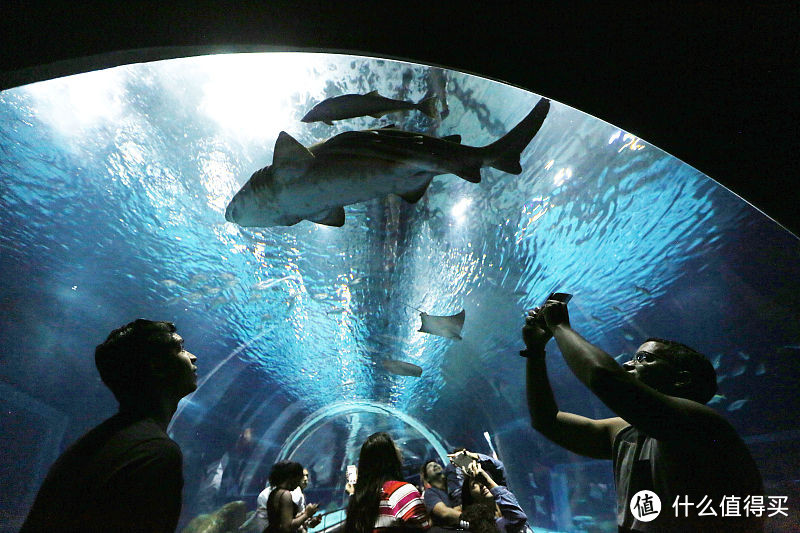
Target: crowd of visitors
[{"x": 126, "y": 474}]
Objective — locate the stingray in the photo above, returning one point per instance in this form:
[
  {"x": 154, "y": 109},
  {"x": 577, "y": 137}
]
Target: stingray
[
  {"x": 401, "y": 368},
  {"x": 443, "y": 326}
]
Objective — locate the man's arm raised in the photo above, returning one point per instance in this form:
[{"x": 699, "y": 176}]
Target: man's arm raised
[
  {"x": 657, "y": 414},
  {"x": 577, "y": 434}
]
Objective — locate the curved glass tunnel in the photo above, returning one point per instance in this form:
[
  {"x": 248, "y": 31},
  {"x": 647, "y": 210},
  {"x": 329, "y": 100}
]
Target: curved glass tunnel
[{"x": 112, "y": 199}]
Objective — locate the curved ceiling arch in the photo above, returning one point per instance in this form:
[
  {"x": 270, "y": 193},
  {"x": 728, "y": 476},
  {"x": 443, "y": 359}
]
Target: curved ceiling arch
[{"x": 707, "y": 83}]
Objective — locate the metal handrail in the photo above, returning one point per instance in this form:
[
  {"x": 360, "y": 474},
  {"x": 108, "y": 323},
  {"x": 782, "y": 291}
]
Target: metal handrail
[{"x": 330, "y": 520}]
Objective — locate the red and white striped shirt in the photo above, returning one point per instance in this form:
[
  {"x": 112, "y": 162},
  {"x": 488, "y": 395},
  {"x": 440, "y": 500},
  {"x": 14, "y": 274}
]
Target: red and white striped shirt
[{"x": 401, "y": 507}]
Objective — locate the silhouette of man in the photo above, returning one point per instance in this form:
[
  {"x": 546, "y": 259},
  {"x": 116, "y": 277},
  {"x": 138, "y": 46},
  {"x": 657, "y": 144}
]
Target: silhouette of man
[
  {"x": 665, "y": 439},
  {"x": 125, "y": 474}
]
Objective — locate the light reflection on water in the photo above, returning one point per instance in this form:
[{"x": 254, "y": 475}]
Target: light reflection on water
[{"x": 433, "y": 264}]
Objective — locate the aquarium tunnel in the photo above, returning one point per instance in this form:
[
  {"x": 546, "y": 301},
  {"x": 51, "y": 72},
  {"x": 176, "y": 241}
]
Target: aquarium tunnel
[{"x": 114, "y": 186}]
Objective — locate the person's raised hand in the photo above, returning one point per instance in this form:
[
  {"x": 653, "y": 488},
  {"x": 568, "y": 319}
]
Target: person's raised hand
[
  {"x": 555, "y": 314},
  {"x": 535, "y": 332}
]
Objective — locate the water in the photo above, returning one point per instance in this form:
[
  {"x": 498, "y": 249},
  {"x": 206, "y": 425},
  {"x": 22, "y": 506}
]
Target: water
[{"x": 114, "y": 186}]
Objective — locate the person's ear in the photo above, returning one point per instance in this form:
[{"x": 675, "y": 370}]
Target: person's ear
[
  {"x": 159, "y": 368},
  {"x": 683, "y": 379}
]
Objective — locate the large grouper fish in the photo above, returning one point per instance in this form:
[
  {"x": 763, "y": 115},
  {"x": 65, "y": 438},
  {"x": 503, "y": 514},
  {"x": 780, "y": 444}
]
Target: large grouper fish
[{"x": 316, "y": 183}]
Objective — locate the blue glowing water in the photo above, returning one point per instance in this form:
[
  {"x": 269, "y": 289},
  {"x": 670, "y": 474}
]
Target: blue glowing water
[{"x": 113, "y": 187}]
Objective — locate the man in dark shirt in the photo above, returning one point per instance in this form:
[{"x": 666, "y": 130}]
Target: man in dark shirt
[
  {"x": 442, "y": 494},
  {"x": 665, "y": 439},
  {"x": 125, "y": 474},
  {"x": 443, "y": 511}
]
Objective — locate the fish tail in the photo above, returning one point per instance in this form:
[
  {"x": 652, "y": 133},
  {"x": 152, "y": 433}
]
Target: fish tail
[
  {"x": 428, "y": 106},
  {"x": 504, "y": 153}
]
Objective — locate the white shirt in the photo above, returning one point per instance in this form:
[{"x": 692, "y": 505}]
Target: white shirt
[{"x": 298, "y": 498}]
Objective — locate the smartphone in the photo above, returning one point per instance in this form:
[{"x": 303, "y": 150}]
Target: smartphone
[
  {"x": 559, "y": 297},
  {"x": 352, "y": 474},
  {"x": 462, "y": 459}
]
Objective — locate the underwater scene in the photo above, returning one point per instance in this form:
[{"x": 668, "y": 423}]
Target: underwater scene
[{"x": 384, "y": 290}]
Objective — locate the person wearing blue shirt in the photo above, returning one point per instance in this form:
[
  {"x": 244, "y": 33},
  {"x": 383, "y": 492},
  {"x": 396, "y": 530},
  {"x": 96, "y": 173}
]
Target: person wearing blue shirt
[
  {"x": 440, "y": 505},
  {"x": 488, "y": 506}
]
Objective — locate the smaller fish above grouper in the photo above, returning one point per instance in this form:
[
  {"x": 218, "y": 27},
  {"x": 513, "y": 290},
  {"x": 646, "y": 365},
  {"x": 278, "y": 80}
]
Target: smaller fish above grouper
[{"x": 361, "y": 105}]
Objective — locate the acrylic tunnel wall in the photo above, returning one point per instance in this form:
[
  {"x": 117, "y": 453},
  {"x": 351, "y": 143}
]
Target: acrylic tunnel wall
[{"x": 113, "y": 192}]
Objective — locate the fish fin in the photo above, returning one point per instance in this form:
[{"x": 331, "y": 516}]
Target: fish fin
[
  {"x": 414, "y": 196},
  {"x": 504, "y": 153},
  {"x": 471, "y": 174},
  {"x": 287, "y": 149},
  {"x": 508, "y": 163},
  {"x": 428, "y": 106},
  {"x": 452, "y": 138},
  {"x": 290, "y": 221},
  {"x": 334, "y": 217},
  {"x": 372, "y": 93},
  {"x": 328, "y": 122}
]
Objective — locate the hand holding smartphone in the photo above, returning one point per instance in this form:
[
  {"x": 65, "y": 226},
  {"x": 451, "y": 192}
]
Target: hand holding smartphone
[
  {"x": 562, "y": 297},
  {"x": 461, "y": 459},
  {"x": 562, "y": 315},
  {"x": 538, "y": 317},
  {"x": 352, "y": 474}
]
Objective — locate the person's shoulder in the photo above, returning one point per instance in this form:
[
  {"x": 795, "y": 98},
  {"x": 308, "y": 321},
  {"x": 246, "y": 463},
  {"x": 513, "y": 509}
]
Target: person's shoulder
[
  {"x": 165, "y": 448},
  {"x": 709, "y": 430},
  {"x": 279, "y": 492},
  {"x": 284, "y": 496},
  {"x": 90, "y": 445},
  {"x": 391, "y": 488},
  {"x": 146, "y": 427},
  {"x": 99, "y": 434},
  {"x": 145, "y": 440},
  {"x": 433, "y": 495},
  {"x": 393, "y": 484},
  {"x": 712, "y": 424},
  {"x": 147, "y": 430}
]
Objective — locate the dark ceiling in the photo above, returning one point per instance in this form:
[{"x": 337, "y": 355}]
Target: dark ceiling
[{"x": 713, "y": 84}]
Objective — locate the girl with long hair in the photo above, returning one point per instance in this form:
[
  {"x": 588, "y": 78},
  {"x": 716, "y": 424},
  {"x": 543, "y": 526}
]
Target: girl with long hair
[
  {"x": 284, "y": 477},
  {"x": 382, "y": 501}
]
